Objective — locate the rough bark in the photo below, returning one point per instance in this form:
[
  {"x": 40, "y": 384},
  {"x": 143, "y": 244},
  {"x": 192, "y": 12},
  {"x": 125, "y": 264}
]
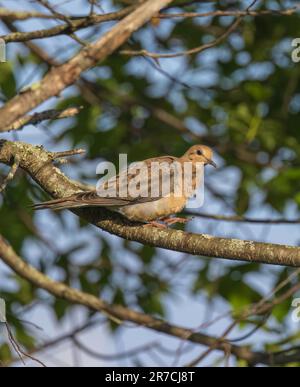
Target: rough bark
[{"x": 38, "y": 163}]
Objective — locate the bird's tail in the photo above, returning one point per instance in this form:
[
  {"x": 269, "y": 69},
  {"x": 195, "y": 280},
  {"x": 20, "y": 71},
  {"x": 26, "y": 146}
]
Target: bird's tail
[{"x": 58, "y": 204}]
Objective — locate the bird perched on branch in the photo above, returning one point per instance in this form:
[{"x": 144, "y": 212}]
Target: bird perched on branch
[{"x": 149, "y": 191}]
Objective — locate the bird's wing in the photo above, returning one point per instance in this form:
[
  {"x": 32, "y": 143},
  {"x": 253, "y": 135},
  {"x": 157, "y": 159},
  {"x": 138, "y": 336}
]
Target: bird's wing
[
  {"x": 136, "y": 184},
  {"x": 109, "y": 194}
]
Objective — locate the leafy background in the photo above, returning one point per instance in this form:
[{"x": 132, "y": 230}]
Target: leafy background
[{"x": 242, "y": 98}]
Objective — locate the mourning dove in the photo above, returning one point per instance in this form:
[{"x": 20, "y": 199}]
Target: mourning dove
[{"x": 150, "y": 205}]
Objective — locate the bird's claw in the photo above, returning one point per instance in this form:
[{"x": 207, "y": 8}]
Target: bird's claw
[
  {"x": 167, "y": 222},
  {"x": 156, "y": 225},
  {"x": 171, "y": 221}
]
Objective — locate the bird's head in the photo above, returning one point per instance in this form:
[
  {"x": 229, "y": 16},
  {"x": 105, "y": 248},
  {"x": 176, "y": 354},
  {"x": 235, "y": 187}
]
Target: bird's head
[{"x": 201, "y": 154}]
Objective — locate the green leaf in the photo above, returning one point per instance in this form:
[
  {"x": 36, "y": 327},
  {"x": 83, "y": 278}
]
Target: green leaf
[{"x": 7, "y": 80}]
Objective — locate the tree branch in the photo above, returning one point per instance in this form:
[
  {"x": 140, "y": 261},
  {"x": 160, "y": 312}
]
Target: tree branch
[
  {"x": 243, "y": 219},
  {"x": 235, "y": 13},
  {"x": 58, "y": 340},
  {"x": 8, "y": 14},
  {"x": 66, "y": 28},
  {"x": 121, "y": 313},
  {"x": 193, "y": 51},
  {"x": 12, "y": 15},
  {"x": 38, "y": 163},
  {"x": 11, "y": 174},
  {"x": 36, "y": 118},
  {"x": 61, "y": 77}
]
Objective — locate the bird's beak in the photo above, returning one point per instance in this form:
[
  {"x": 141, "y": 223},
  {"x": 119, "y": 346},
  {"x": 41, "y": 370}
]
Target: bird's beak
[{"x": 211, "y": 162}]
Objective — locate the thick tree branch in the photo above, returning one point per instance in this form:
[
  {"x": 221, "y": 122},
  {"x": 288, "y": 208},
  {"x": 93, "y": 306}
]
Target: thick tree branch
[
  {"x": 38, "y": 163},
  {"x": 121, "y": 313},
  {"x": 65, "y": 75}
]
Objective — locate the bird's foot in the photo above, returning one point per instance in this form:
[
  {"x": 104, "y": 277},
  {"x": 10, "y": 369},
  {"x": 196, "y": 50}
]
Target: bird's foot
[
  {"x": 171, "y": 221},
  {"x": 156, "y": 225}
]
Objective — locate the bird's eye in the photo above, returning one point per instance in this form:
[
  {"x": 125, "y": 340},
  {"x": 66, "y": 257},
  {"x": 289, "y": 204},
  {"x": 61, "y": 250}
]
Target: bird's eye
[{"x": 199, "y": 152}]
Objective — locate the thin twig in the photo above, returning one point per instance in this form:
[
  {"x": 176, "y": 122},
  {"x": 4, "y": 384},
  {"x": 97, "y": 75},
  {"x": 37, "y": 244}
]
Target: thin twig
[
  {"x": 66, "y": 28},
  {"x": 242, "y": 219},
  {"x": 37, "y": 118},
  {"x": 72, "y": 152},
  {"x": 11, "y": 174},
  {"x": 60, "y": 339},
  {"x": 19, "y": 350},
  {"x": 195, "y": 50},
  {"x": 116, "y": 356},
  {"x": 56, "y": 14},
  {"x": 236, "y": 13}
]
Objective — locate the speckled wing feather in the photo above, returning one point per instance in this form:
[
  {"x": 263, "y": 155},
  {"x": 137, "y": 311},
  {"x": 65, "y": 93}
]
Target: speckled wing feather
[{"x": 144, "y": 181}]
